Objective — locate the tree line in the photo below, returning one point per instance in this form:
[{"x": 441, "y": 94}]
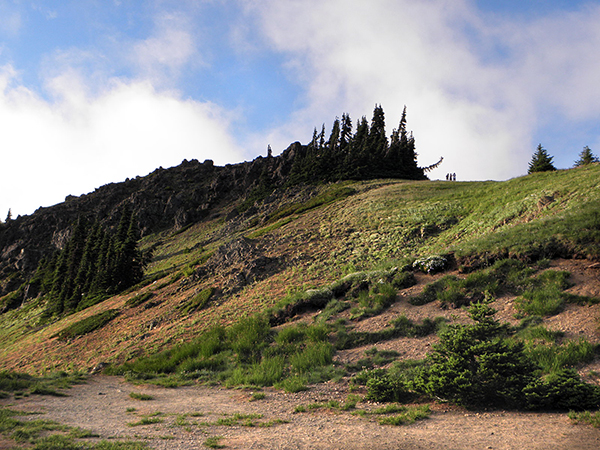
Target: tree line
[
  {"x": 541, "y": 161},
  {"x": 364, "y": 154},
  {"x": 94, "y": 264}
]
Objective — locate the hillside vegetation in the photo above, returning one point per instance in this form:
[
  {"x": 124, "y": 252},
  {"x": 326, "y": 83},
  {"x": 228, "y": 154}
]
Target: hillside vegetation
[{"x": 348, "y": 281}]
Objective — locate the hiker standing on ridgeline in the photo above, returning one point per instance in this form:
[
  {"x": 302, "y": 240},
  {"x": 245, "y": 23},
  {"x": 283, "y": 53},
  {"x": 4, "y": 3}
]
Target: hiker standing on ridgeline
[
  {"x": 453, "y": 177},
  {"x": 447, "y": 176}
]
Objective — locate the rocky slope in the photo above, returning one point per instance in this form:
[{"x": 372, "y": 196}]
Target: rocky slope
[{"x": 165, "y": 199}]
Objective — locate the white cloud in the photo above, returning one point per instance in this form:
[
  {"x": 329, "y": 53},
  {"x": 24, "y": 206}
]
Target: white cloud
[
  {"x": 79, "y": 140},
  {"x": 168, "y": 51},
  {"x": 476, "y": 107}
]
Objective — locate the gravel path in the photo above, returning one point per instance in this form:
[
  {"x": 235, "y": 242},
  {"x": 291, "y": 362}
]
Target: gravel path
[{"x": 103, "y": 405}]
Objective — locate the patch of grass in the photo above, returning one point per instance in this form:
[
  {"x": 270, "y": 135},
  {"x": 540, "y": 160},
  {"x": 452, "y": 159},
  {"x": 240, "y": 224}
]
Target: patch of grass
[
  {"x": 407, "y": 416},
  {"x": 146, "y": 421},
  {"x": 247, "y": 420},
  {"x": 546, "y": 301},
  {"x": 139, "y": 299},
  {"x": 257, "y": 396},
  {"x": 267, "y": 372},
  {"x": 80, "y": 433},
  {"x": 48, "y": 435},
  {"x": 213, "y": 442},
  {"x": 314, "y": 355},
  {"x": 293, "y": 384},
  {"x": 140, "y": 396},
  {"x": 401, "y": 327},
  {"x": 20, "y": 384},
  {"x": 552, "y": 357},
  {"x": 329, "y": 196},
  {"x": 45, "y": 389},
  {"x": 350, "y": 403},
  {"x": 15, "y": 381},
  {"x": 198, "y": 302},
  {"x": 587, "y": 417},
  {"x": 373, "y": 302},
  {"x": 333, "y": 308},
  {"x": 272, "y": 227},
  {"x": 87, "y": 325}
]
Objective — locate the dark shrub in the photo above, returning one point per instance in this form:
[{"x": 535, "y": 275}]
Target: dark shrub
[{"x": 563, "y": 390}]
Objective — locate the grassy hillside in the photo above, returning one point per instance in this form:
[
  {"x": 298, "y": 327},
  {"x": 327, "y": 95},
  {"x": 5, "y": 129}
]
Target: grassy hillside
[{"x": 295, "y": 245}]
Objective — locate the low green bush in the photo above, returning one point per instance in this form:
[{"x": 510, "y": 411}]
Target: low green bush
[
  {"x": 478, "y": 365},
  {"x": 563, "y": 390},
  {"x": 383, "y": 387}
]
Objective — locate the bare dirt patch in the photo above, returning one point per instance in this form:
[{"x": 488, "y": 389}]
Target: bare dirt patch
[{"x": 104, "y": 406}]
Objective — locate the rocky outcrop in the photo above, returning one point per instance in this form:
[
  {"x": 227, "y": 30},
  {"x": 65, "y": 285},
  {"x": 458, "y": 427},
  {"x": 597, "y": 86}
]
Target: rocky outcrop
[
  {"x": 239, "y": 263},
  {"x": 166, "y": 198}
]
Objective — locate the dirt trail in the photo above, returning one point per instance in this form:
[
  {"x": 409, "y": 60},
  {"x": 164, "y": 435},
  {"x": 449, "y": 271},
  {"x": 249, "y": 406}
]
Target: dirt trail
[{"x": 102, "y": 406}]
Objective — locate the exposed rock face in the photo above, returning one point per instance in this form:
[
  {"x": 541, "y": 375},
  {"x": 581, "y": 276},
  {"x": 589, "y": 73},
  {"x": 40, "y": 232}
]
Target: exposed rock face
[
  {"x": 166, "y": 198},
  {"x": 240, "y": 263}
]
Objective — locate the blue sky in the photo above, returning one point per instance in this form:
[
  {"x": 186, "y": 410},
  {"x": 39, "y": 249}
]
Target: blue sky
[{"x": 93, "y": 92}]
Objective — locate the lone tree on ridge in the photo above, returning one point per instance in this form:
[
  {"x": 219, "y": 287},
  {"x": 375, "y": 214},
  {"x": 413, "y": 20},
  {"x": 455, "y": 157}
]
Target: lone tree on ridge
[
  {"x": 586, "y": 157},
  {"x": 541, "y": 161}
]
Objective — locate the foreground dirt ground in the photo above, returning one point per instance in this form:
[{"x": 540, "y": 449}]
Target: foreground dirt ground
[{"x": 103, "y": 405}]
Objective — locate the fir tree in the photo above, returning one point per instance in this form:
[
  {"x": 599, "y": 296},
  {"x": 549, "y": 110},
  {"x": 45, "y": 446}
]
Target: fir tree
[
  {"x": 477, "y": 365},
  {"x": 334, "y": 137},
  {"x": 357, "y": 161},
  {"x": 92, "y": 264},
  {"x": 586, "y": 157},
  {"x": 541, "y": 161},
  {"x": 345, "y": 133},
  {"x": 377, "y": 144}
]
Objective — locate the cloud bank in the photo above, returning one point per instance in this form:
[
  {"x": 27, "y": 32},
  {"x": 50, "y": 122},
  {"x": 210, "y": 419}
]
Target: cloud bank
[{"x": 88, "y": 127}]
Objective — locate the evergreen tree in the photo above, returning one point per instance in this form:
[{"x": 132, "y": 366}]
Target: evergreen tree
[
  {"x": 357, "y": 161},
  {"x": 71, "y": 292},
  {"x": 315, "y": 139},
  {"x": 92, "y": 264},
  {"x": 334, "y": 138},
  {"x": 541, "y": 161},
  {"x": 586, "y": 157},
  {"x": 476, "y": 365},
  {"x": 126, "y": 267},
  {"x": 322, "y": 138},
  {"x": 377, "y": 144},
  {"x": 345, "y": 133}
]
